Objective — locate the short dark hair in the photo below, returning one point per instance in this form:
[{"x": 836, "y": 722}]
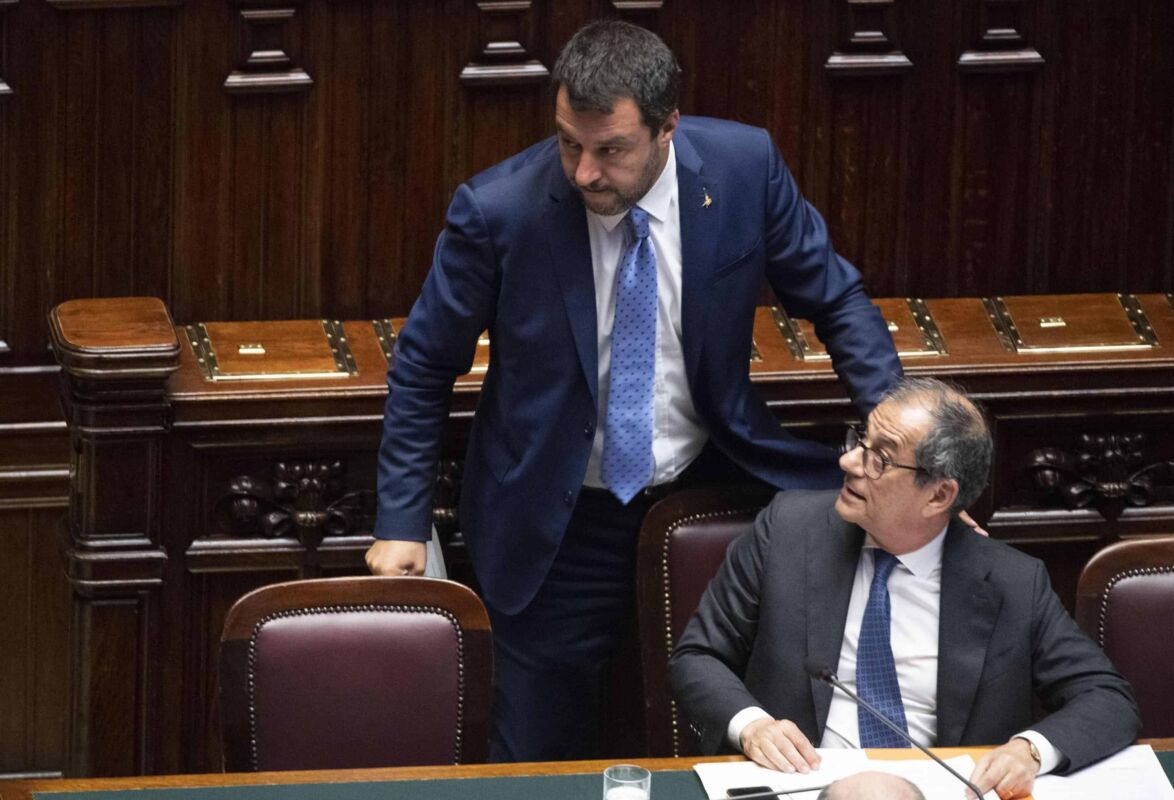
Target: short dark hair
[
  {"x": 958, "y": 444},
  {"x": 609, "y": 60}
]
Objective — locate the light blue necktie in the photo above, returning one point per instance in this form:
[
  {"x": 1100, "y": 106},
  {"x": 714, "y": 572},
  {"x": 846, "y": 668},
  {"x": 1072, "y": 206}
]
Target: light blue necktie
[
  {"x": 627, "y": 440},
  {"x": 876, "y": 672}
]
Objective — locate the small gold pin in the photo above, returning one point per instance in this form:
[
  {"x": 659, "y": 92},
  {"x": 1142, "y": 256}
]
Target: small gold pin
[{"x": 708, "y": 200}]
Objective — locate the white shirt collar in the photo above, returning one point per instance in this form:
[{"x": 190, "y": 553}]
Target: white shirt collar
[
  {"x": 657, "y": 201},
  {"x": 924, "y": 560}
]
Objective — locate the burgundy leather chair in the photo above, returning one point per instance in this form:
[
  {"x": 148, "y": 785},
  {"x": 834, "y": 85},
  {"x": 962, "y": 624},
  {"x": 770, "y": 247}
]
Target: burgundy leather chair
[
  {"x": 682, "y": 543},
  {"x": 355, "y": 672},
  {"x": 1125, "y": 601}
]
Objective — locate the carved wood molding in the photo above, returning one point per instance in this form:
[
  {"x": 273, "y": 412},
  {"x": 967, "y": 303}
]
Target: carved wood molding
[
  {"x": 868, "y": 47},
  {"x": 504, "y": 60},
  {"x": 266, "y": 66},
  {"x": 1001, "y": 44},
  {"x": 1103, "y": 472},
  {"x": 306, "y": 500}
]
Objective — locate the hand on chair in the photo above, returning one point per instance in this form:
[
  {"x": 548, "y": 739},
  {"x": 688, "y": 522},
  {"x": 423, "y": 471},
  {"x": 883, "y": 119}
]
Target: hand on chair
[{"x": 396, "y": 557}]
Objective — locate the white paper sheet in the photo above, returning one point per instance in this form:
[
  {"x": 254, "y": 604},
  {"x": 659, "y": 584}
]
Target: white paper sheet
[
  {"x": 836, "y": 763},
  {"x": 1133, "y": 773}
]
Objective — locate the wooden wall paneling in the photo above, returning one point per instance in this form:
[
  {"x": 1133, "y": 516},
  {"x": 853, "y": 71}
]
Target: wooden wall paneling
[
  {"x": 505, "y": 105},
  {"x": 34, "y": 624},
  {"x": 997, "y": 153},
  {"x": 7, "y": 185},
  {"x": 863, "y": 101},
  {"x": 204, "y": 138},
  {"x": 5, "y": 89},
  {"x": 353, "y": 51},
  {"x": 34, "y": 592},
  {"x": 34, "y": 125},
  {"x": 791, "y": 89},
  {"x": 1115, "y": 97},
  {"x": 933, "y": 40}
]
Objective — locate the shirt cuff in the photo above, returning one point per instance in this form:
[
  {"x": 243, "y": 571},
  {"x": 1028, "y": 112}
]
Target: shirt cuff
[
  {"x": 739, "y": 722},
  {"x": 1049, "y": 756}
]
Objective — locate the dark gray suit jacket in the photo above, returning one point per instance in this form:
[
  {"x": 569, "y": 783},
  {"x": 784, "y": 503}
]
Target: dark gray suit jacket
[{"x": 1004, "y": 639}]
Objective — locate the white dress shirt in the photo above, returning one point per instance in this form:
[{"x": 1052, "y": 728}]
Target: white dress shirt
[
  {"x": 677, "y": 433},
  {"x": 915, "y": 602}
]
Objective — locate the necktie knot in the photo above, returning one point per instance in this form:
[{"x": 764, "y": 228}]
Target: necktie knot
[
  {"x": 638, "y": 222},
  {"x": 884, "y": 563}
]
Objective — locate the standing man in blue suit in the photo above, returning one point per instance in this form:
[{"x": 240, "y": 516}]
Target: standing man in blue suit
[{"x": 616, "y": 267}]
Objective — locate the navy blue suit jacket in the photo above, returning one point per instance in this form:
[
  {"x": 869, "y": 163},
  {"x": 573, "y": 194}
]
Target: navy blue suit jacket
[{"x": 515, "y": 259}]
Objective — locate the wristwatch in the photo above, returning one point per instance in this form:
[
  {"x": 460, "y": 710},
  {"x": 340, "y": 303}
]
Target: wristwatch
[{"x": 1032, "y": 749}]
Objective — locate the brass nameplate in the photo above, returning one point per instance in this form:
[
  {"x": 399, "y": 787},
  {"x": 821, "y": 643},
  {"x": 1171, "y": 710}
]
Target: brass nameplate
[
  {"x": 293, "y": 350},
  {"x": 1094, "y": 323},
  {"x": 910, "y": 322}
]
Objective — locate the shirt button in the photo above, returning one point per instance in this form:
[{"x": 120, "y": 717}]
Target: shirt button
[{"x": 569, "y": 498}]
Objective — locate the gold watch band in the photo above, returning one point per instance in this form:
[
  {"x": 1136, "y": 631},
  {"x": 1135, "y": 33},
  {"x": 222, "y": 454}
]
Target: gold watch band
[{"x": 1032, "y": 749}]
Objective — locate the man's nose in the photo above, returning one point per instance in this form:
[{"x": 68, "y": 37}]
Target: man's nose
[
  {"x": 852, "y": 461},
  {"x": 587, "y": 170}
]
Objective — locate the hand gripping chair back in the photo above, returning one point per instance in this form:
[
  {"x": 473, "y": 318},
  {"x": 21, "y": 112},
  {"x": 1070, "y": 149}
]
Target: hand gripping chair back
[{"x": 345, "y": 673}]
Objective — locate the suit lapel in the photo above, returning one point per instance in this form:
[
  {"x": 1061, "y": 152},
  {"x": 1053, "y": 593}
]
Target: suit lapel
[
  {"x": 831, "y": 569},
  {"x": 570, "y": 253},
  {"x": 969, "y": 607},
  {"x": 699, "y": 202}
]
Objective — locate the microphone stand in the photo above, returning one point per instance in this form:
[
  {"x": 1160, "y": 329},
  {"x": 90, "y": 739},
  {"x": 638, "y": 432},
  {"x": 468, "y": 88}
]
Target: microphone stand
[{"x": 827, "y": 676}]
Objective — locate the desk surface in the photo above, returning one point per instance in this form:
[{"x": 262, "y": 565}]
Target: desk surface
[{"x": 570, "y": 779}]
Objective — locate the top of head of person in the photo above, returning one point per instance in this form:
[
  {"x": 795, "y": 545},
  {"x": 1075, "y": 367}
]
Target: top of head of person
[
  {"x": 615, "y": 94},
  {"x": 871, "y": 786},
  {"x": 924, "y": 456}
]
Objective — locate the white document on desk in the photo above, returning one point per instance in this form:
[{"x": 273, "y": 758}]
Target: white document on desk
[
  {"x": 1134, "y": 772},
  {"x": 928, "y": 776}
]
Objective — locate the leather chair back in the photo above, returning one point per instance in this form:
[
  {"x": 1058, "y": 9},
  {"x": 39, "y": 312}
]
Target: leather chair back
[
  {"x": 345, "y": 673},
  {"x": 1125, "y": 601},
  {"x": 682, "y": 543}
]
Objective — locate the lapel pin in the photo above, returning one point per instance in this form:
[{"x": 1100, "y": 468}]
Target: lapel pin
[{"x": 708, "y": 201}]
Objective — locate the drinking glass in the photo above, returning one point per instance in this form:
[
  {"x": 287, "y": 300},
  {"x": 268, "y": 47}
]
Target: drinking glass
[{"x": 626, "y": 782}]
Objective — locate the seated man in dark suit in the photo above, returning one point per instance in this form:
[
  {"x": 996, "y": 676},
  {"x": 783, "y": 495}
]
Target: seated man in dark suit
[{"x": 953, "y": 639}]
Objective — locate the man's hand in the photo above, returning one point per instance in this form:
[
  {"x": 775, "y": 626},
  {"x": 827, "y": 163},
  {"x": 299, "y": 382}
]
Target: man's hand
[
  {"x": 395, "y": 557},
  {"x": 1009, "y": 770},
  {"x": 778, "y": 744},
  {"x": 969, "y": 520}
]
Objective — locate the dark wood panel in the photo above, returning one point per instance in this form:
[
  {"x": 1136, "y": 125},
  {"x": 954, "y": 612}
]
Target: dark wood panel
[
  {"x": 34, "y": 624},
  {"x": 977, "y": 169}
]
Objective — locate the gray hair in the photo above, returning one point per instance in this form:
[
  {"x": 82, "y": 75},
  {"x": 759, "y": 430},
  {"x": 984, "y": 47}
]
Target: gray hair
[
  {"x": 958, "y": 444},
  {"x": 609, "y": 60}
]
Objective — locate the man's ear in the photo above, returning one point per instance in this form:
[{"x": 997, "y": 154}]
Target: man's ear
[
  {"x": 942, "y": 500},
  {"x": 665, "y": 134}
]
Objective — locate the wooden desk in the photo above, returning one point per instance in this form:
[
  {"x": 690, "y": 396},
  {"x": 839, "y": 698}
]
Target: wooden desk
[
  {"x": 24, "y": 790},
  {"x": 208, "y": 459}
]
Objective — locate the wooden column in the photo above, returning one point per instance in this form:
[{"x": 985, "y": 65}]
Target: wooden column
[{"x": 116, "y": 355}]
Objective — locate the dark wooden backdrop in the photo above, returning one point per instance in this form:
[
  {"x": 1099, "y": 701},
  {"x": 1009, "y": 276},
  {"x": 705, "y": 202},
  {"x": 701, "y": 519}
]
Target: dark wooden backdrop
[{"x": 258, "y": 159}]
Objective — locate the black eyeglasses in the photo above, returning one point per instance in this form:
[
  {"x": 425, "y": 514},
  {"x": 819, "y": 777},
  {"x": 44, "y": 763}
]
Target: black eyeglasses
[{"x": 875, "y": 462}]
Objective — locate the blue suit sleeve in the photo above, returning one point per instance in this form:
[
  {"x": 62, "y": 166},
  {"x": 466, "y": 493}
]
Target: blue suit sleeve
[
  {"x": 436, "y": 346},
  {"x": 814, "y": 283}
]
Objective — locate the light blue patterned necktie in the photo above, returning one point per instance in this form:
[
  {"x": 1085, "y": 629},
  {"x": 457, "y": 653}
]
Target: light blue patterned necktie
[
  {"x": 876, "y": 672},
  {"x": 627, "y": 440}
]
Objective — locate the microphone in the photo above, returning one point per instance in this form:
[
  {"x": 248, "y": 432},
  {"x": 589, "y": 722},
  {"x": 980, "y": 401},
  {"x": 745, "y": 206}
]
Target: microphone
[{"x": 822, "y": 673}]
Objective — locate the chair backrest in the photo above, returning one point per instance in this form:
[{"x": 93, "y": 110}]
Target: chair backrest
[
  {"x": 682, "y": 543},
  {"x": 355, "y": 672},
  {"x": 1125, "y": 601}
]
